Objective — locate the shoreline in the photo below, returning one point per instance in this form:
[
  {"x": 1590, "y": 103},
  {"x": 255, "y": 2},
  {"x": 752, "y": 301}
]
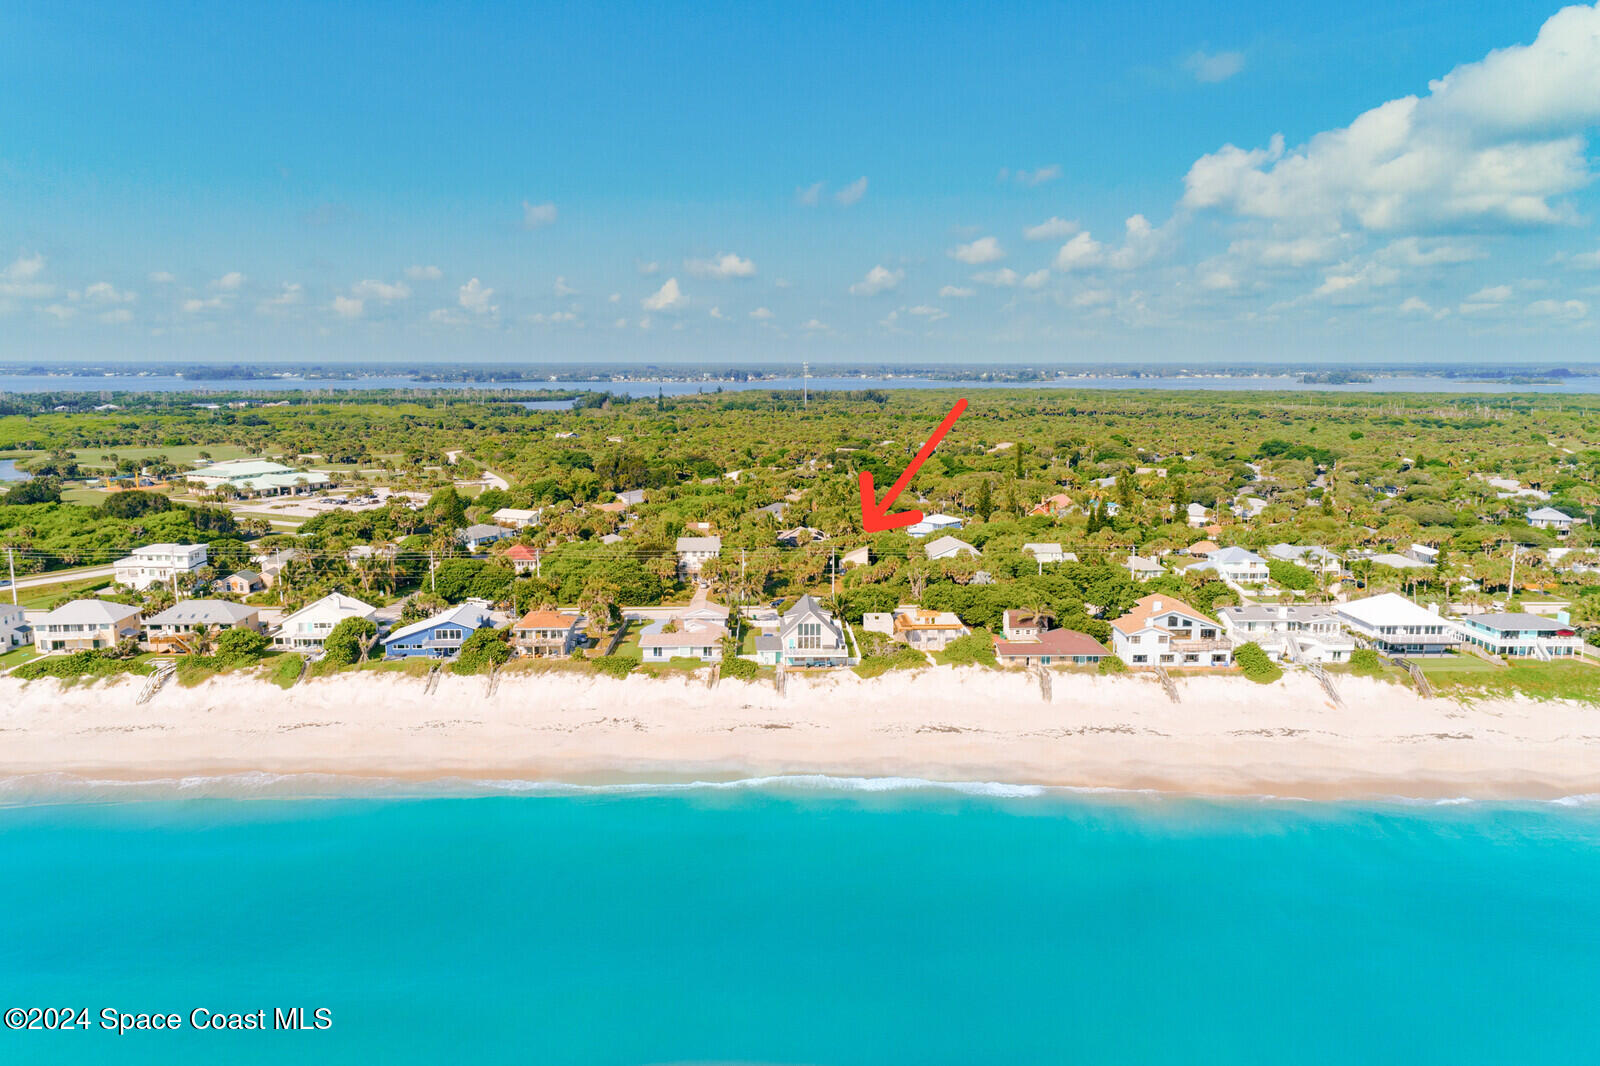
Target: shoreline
[{"x": 1229, "y": 738}]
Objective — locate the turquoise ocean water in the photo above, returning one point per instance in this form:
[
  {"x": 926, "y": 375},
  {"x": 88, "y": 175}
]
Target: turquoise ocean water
[{"x": 792, "y": 923}]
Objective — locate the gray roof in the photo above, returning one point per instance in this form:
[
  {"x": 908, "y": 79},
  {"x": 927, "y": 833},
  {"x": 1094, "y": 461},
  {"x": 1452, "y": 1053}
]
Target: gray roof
[
  {"x": 1268, "y": 612},
  {"x": 807, "y": 605},
  {"x": 768, "y": 642},
  {"x": 699, "y": 544},
  {"x": 249, "y": 575},
  {"x": 1234, "y": 555},
  {"x": 1515, "y": 620},
  {"x": 202, "y": 612},
  {"x": 1549, "y": 514},
  {"x": 484, "y": 531},
  {"x": 87, "y": 612},
  {"x": 466, "y": 615}
]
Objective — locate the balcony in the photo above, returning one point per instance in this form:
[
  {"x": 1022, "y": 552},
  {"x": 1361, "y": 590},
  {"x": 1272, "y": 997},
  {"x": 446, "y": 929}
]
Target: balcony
[{"x": 1202, "y": 646}]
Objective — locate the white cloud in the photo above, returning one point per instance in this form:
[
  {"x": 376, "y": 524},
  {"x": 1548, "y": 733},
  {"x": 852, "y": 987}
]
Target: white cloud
[
  {"x": 1420, "y": 252},
  {"x": 761, "y": 313},
  {"x": 1214, "y": 66},
  {"x": 1036, "y": 280},
  {"x": 716, "y": 313},
  {"x": 536, "y": 215},
  {"x": 1498, "y": 141},
  {"x": 647, "y": 268},
  {"x": 232, "y": 281},
  {"x": 667, "y": 298},
  {"x": 563, "y": 289},
  {"x": 955, "y": 292},
  {"x": 382, "y": 291},
  {"x": 932, "y": 314},
  {"x": 1565, "y": 310},
  {"x": 104, "y": 292},
  {"x": 195, "y": 305},
  {"x": 1004, "y": 278},
  {"x": 1092, "y": 298},
  {"x": 348, "y": 306},
  {"x": 475, "y": 297},
  {"x": 878, "y": 279},
  {"x": 1051, "y": 229},
  {"x": 808, "y": 195},
  {"x": 59, "y": 312},
  {"x": 1349, "y": 278},
  {"x": 554, "y": 318},
  {"x": 614, "y": 298},
  {"x": 1141, "y": 242},
  {"x": 162, "y": 277},
  {"x": 290, "y": 295},
  {"x": 720, "y": 267},
  {"x": 1415, "y": 305},
  {"x": 1080, "y": 253},
  {"x": 852, "y": 193},
  {"x": 1218, "y": 281},
  {"x": 1586, "y": 260},
  {"x": 1493, "y": 294},
  {"x": 815, "y": 326},
  {"x": 424, "y": 273},
  {"x": 1031, "y": 177},
  {"x": 1295, "y": 252},
  {"x": 116, "y": 316},
  {"x": 24, "y": 268},
  {"x": 982, "y": 250}
]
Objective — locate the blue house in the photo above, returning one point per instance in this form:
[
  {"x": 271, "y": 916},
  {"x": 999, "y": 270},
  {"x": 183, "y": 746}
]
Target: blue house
[{"x": 439, "y": 637}]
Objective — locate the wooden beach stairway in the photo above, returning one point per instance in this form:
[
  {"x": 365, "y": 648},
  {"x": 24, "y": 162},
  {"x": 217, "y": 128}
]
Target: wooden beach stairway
[
  {"x": 1168, "y": 684},
  {"x": 164, "y": 671}
]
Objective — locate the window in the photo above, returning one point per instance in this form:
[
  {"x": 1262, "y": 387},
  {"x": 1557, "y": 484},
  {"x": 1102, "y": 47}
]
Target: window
[{"x": 810, "y": 636}]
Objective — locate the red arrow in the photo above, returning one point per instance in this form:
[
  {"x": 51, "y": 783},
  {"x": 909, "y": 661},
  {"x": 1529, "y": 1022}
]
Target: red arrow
[{"x": 875, "y": 517}]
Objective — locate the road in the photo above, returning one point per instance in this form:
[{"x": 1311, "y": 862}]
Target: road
[{"x": 57, "y": 577}]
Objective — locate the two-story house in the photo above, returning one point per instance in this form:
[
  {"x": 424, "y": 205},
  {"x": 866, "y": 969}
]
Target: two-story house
[
  {"x": 1517, "y": 635},
  {"x": 1395, "y": 625},
  {"x": 545, "y": 634},
  {"x": 1163, "y": 631},
  {"x": 306, "y": 629},
  {"x": 1298, "y": 631},
  {"x": 438, "y": 637},
  {"x": 1558, "y": 522},
  {"x": 173, "y": 629},
  {"x": 807, "y": 635},
  {"x": 85, "y": 625},
  {"x": 694, "y": 553},
  {"x": 158, "y": 564},
  {"x": 926, "y": 630}
]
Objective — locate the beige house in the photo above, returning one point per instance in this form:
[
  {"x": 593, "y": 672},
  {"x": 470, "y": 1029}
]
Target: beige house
[
  {"x": 545, "y": 634},
  {"x": 85, "y": 625}
]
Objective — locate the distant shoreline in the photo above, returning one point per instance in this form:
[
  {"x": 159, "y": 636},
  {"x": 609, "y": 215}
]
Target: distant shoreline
[{"x": 1228, "y": 738}]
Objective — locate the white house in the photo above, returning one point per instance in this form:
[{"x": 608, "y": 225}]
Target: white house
[
  {"x": 307, "y": 628},
  {"x": 475, "y": 538},
  {"x": 14, "y": 631},
  {"x": 1162, "y": 631},
  {"x": 1317, "y": 560},
  {"x": 1550, "y": 518},
  {"x": 1047, "y": 553},
  {"x": 1311, "y": 629},
  {"x": 1238, "y": 565},
  {"x": 926, "y": 630},
  {"x": 695, "y": 552},
  {"x": 1397, "y": 626},
  {"x": 1196, "y": 515},
  {"x": 515, "y": 517},
  {"x": 1517, "y": 635},
  {"x": 807, "y": 636},
  {"x": 1143, "y": 569},
  {"x": 687, "y": 639},
  {"x": 933, "y": 524},
  {"x": 85, "y": 625},
  {"x": 157, "y": 564},
  {"x": 948, "y": 548}
]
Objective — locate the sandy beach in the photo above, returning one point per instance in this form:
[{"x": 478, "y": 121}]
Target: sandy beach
[{"x": 1227, "y": 736}]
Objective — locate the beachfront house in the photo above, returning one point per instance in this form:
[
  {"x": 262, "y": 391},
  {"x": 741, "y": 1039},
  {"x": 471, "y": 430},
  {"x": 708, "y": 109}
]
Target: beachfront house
[
  {"x": 694, "y": 553},
  {"x": 1517, "y": 635},
  {"x": 516, "y": 517},
  {"x": 257, "y": 477},
  {"x": 441, "y": 636},
  {"x": 545, "y": 634},
  {"x": 307, "y": 628},
  {"x": 948, "y": 548},
  {"x": 1395, "y": 625},
  {"x": 85, "y": 625},
  {"x": 172, "y": 630},
  {"x": 1042, "y": 646},
  {"x": 807, "y": 635},
  {"x": 1558, "y": 522},
  {"x": 242, "y": 583},
  {"x": 1294, "y": 632},
  {"x": 478, "y": 537},
  {"x": 691, "y": 638},
  {"x": 926, "y": 630},
  {"x": 159, "y": 564},
  {"x": 936, "y": 523},
  {"x": 1237, "y": 565},
  {"x": 1163, "y": 631},
  {"x": 1141, "y": 568},
  {"x": 14, "y": 628}
]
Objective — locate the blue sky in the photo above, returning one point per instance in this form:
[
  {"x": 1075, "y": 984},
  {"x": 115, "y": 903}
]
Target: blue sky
[{"x": 764, "y": 183}]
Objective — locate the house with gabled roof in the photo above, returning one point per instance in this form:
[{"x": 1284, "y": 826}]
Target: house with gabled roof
[
  {"x": 85, "y": 625},
  {"x": 924, "y": 629},
  {"x": 307, "y": 628},
  {"x": 949, "y": 548},
  {"x": 1164, "y": 631},
  {"x": 695, "y": 552},
  {"x": 682, "y": 638},
  {"x": 1238, "y": 565},
  {"x": 1052, "y": 506},
  {"x": 1395, "y": 625},
  {"x": 545, "y": 634},
  {"x": 441, "y": 636},
  {"x": 807, "y": 636},
  {"x": 1558, "y": 522},
  {"x": 1047, "y": 552},
  {"x": 1046, "y": 647},
  {"x": 1141, "y": 568},
  {"x": 172, "y": 629},
  {"x": 523, "y": 559}
]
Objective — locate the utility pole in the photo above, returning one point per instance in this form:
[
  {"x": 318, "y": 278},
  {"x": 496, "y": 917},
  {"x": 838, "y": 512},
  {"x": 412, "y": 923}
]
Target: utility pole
[
  {"x": 433, "y": 582},
  {"x": 537, "y": 572},
  {"x": 1511, "y": 586},
  {"x": 11, "y": 563},
  {"x": 833, "y": 561}
]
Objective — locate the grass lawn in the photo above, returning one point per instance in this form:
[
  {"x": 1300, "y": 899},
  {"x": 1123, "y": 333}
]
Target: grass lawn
[
  {"x": 88, "y": 497},
  {"x": 17, "y": 657},
  {"x": 629, "y": 648},
  {"x": 1542, "y": 681},
  {"x": 45, "y": 595},
  {"x": 1455, "y": 666}
]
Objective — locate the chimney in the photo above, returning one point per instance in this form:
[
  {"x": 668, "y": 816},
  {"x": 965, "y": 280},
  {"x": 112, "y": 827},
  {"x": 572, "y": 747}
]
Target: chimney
[{"x": 1155, "y": 605}]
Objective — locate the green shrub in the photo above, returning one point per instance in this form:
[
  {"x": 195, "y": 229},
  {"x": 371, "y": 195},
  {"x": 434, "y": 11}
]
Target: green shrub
[
  {"x": 740, "y": 669},
  {"x": 1255, "y": 665},
  {"x": 285, "y": 669},
  {"x": 1111, "y": 664},
  {"x": 894, "y": 657},
  {"x": 78, "y": 664},
  {"x": 240, "y": 647},
  {"x": 343, "y": 644},
  {"x": 483, "y": 651},
  {"x": 976, "y": 647},
  {"x": 1365, "y": 662},
  {"x": 618, "y": 666}
]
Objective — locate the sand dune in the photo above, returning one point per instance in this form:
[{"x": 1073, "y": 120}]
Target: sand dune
[{"x": 1227, "y": 736}]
